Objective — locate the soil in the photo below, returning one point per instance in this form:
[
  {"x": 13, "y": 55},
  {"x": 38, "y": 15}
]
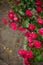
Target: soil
[{"x": 9, "y": 41}]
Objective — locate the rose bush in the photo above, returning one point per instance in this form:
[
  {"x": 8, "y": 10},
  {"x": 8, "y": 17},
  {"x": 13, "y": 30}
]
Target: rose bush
[{"x": 27, "y": 17}]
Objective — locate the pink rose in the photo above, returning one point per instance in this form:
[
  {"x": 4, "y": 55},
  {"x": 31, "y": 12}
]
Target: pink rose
[
  {"x": 13, "y": 25},
  {"x": 39, "y": 9},
  {"x": 20, "y": 28},
  {"x": 26, "y": 62},
  {"x": 30, "y": 42},
  {"x": 29, "y": 54},
  {"x": 11, "y": 14},
  {"x": 37, "y": 44},
  {"x": 15, "y": 19},
  {"x": 40, "y": 21},
  {"x": 26, "y": 34},
  {"x": 40, "y": 31},
  {"x": 22, "y": 52},
  {"x": 38, "y": 3},
  {"x": 33, "y": 35},
  {"x": 28, "y": 13},
  {"x": 31, "y": 27},
  {"x": 30, "y": 45},
  {"x": 4, "y": 21},
  {"x": 30, "y": 39}
]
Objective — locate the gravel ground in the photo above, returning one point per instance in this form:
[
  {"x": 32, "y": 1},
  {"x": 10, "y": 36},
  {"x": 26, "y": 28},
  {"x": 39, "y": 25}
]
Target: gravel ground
[{"x": 9, "y": 42}]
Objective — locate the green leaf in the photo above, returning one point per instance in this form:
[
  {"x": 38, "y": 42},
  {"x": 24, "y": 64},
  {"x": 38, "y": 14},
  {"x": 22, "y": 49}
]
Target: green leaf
[
  {"x": 42, "y": 37},
  {"x": 26, "y": 42},
  {"x": 21, "y": 13},
  {"x": 36, "y": 51},
  {"x": 25, "y": 23},
  {"x": 41, "y": 14},
  {"x": 34, "y": 19},
  {"x": 39, "y": 58}
]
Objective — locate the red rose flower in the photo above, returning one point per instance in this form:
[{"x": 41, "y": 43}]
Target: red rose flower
[
  {"x": 33, "y": 35},
  {"x": 4, "y": 21},
  {"x": 40, "y": 21},
  {"x": 20, "y": 28},
  {"x": 30, "y": 39},
  {"x": 30, "y": 42},
  {"x": 38, "y": 3},
  {"x": 25, "y": 53},
  {"x": 26, "y": 34},
  {"x": 40, "y": 31},
  {"x": 30, "y": 45},
  {"x": 39, "y": 9},
  {"x": 37, "y": 44},
  {"x": 15, "y": 19},
  {"x": 11, "y": 14},
  {"x": 31, "y": 27},
  {"x": 29, "y": 54},
  {"x": 26, "y": 62},
  {"x": 28, "y": 13},
  {"x": 22, "y": 52},
  {"x": 13, "y": 25}
]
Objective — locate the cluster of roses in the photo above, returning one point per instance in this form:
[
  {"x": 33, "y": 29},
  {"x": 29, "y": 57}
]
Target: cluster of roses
[
  {"x": 28, "y": 32},
  {"x": 26, "y": 55},
  {"x": 14, "y": 20},
  {"x": 39, "y": 5}
]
